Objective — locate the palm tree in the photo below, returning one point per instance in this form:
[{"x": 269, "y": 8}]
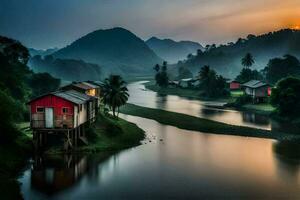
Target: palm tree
[
  {"x": 115, "y": 93},
  {"x": 248, "y": 60},
  {"x": 203, "y": 73}
]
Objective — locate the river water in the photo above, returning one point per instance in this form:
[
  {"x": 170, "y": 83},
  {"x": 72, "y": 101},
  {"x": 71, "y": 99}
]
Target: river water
[{"x": 171, "y": 164}]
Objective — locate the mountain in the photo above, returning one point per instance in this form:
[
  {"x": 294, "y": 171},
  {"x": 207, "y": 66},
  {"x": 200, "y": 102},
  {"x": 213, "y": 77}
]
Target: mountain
[
  {"x": 66, "y": 69},
  {"x": 34, "y": 52},
  {"x": 117, "y": 50},
  {"x": 171, "y": 50},
  {"x": 226, "y": 59}
]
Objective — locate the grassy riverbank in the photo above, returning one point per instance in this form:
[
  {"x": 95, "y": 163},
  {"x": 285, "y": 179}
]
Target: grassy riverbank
[
  {"x": 13, "y": 158},
  {"x": 181, "y": 92},
  {"x": 199, "y": 124},
  {"x": 111, "y": 134}
]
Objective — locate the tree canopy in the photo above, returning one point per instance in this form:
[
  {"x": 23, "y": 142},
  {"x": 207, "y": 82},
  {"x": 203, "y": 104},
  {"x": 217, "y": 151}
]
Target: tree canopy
[
  {"x": 115, "y": 93},
  {"x": 279, "y": 68},
  {"x": 286, "y": 97}
]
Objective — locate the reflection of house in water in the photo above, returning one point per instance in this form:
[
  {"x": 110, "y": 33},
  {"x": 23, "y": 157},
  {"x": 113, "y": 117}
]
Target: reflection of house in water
[
  {"x": 51, "y": 175},
  {"x": 255, "y": 118}
]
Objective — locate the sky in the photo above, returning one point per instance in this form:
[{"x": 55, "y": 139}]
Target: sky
[{"x": 45, "y": 24}]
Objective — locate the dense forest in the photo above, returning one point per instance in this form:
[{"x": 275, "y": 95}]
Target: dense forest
[
  {"x": 66, "y": 69},
  {"x": 18, "y": 84},
  {"x": 226, "y": 59}
]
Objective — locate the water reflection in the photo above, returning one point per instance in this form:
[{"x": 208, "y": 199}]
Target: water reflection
[
  {"x": 143, "y": 97},
  {"x": 288, "y": 160},
  {"x": 53, "y": 174},
  {"x": 177, "y": 164}
]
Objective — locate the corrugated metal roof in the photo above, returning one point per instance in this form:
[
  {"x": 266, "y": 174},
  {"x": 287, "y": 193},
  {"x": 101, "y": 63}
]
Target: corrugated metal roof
[
  {"x": 90, "y": 85},
  {"x": 254, "y": 84},
  {"x": 72, "y": 96},
  {"x": 83, "y": 86}
]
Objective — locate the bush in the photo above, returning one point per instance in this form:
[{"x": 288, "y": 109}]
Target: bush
[
  {"x": 242, "y": 100},
  {"x": 286, "y": 97},
  {"x": 8, "y": 115}
]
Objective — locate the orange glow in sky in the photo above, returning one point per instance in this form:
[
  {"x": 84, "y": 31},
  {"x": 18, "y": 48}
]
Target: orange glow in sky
[{"x": 296, "y": 27}]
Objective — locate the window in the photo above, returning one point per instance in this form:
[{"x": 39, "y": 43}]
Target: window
[
  {"x": 40, "y": 109},
  {"x": 80, "y": 107},
  {"x": 65, "y": 110}
]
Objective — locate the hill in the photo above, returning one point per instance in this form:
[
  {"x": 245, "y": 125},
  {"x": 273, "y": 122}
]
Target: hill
[
  {"x": 34, "y": 52},
  {"x": 117, "y": 50},
  {"x": 66, "y": 69},
  {"x": 171, "y": 50},
  {"x": 226, "y": 59}
]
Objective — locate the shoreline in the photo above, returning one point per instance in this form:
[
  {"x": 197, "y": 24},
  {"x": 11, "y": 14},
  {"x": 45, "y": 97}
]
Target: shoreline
[{"x": 188, "y": 122}]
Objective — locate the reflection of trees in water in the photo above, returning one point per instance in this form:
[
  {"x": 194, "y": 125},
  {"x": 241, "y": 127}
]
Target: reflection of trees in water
[
  {"x": 285, "y": 127},
  {"x": 210, "y": 112},
  {"x": 161, "y": 100},
  {"x": 255, "y": 118},
  {"x": 287, "y": 158}
]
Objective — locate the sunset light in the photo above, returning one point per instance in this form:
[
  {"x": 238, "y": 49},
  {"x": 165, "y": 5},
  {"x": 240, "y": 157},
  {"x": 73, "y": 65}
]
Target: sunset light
[{"x": 296, "y": 27}]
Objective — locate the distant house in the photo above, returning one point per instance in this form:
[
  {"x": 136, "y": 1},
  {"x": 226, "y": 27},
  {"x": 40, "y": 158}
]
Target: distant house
[
  {"x": 234, "y": 85},
  {"x": 258, "y": 90},
  {"x": 188, "y": 82},
  {"x": 185, "y": 83}
]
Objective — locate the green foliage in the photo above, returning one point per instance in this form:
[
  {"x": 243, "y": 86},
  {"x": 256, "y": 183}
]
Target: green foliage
[
  {"x": 183, "y": 73},
  {"x": 286, "y": 97},
  {"x": 226, "y": 58},
  {"x": 8, "y": 115},
  {"x": 248, "y": 75},
  {"x": 248, "y": 60},
  {"x": 211, "y": 84},
  {"x": 279, "y": 68},
  {"x": 242, "y": 100},
  {"x": 161, "y": 76},
  {"x": 42, "y": 83},
  {"x": 67, "y": 69},
  {"x": 197, "y": 124},
  {"x": 115, "y": 93}
]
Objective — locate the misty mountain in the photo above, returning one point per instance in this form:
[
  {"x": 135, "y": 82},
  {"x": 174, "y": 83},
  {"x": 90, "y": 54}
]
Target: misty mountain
[
  {"x": 66, "y": 69},
  {"x": 34, "y": 52},
  {"x": 171, "y": 50},
  {"x": 226, "y": 59},
  {"x": 117, "y": 50}
]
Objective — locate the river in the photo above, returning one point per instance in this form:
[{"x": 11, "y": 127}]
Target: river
[{"x": 171, "y": 163}]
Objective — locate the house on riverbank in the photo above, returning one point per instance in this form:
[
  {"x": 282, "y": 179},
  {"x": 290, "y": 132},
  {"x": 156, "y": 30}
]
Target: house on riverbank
[
  {"x": 63, "y": 113},
  {"x": 258, "y": 90},
  {"x": 234, "y": 85}
]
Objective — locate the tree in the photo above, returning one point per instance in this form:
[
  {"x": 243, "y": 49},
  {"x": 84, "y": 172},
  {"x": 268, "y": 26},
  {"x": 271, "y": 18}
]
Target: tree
[
  {"x": 38, "y": 86},
  {"x": 248, "y": 60},
  {"x": 248, "y": 75},
  {"x": 286, "y": 97},
  {"x": 115, "y": 93},
  {"x": 211, "y": 84},
  {"x": 184, "y": 72},
  {"x": 204, "y": 71},
  {"x": 156, "y": 68},
  {"x": 161, "y": 76},
  {"x": 8, "y": 116},
  {"x": 279, "y": 68}
]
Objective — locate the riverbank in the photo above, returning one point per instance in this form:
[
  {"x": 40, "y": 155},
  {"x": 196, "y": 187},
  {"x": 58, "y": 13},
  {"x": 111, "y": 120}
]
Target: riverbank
[
  {"x": 107, "y": 134},
  {"x": 199, "y": 124},
  {"x": 264, "y": 108},
  {"x": 181, "y": 92},
  {"x": 13, "y": 158}
]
